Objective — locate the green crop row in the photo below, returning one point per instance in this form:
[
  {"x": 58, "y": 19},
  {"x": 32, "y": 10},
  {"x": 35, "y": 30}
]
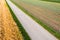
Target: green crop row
[{"x": 58, "y": 1}]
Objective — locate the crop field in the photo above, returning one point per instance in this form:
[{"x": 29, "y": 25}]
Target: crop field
[
  {"x": 58, "y": 1},
  {"x": 8, "y": 28},
  {"x": 47, "y": 12}
]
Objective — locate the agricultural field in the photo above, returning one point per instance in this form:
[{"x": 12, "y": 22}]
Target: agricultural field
[
  {"x": 58, "y": 1},
  {"x": 8, "y": 28},
  {"x": 47, "y": 12}
]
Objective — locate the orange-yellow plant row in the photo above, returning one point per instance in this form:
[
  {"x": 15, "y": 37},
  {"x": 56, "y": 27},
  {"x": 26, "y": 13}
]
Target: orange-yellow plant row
[{"x": 8, "y": 27}]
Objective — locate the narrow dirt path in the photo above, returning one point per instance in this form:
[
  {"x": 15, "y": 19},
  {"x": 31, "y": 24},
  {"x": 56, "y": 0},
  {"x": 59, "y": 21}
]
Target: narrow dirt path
[{"x": 8, "y": 28}]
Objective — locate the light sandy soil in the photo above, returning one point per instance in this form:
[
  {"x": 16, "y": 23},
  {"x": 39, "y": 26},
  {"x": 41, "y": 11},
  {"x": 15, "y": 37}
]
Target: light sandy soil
[
  {"x": 48, "y": 17},
  {"x": 8, "y": 27}
]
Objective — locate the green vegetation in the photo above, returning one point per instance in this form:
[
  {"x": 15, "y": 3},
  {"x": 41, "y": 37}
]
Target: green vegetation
[
  {"x": 24, "y": 33},
  {"x": 58, "y": 1},
  {"x": 44, "y": 4},
  {"x": 52, "y": 31}
]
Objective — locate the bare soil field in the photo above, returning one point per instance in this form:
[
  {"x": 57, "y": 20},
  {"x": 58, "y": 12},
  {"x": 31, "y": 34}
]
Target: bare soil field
[{"x": 8, "y": 27}]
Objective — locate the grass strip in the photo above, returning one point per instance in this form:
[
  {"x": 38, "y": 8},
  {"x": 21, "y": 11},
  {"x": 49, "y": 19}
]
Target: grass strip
[
  {"x": 24, "y": 33},
  {"x": 56, "y": 1},
  {"x": 52, "y": 31}
]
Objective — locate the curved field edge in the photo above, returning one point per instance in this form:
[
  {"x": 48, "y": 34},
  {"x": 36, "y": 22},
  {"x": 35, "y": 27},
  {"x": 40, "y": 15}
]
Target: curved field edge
[
  {"x": 24, "y": 33},
  {"x": 52, "y": 31}
]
